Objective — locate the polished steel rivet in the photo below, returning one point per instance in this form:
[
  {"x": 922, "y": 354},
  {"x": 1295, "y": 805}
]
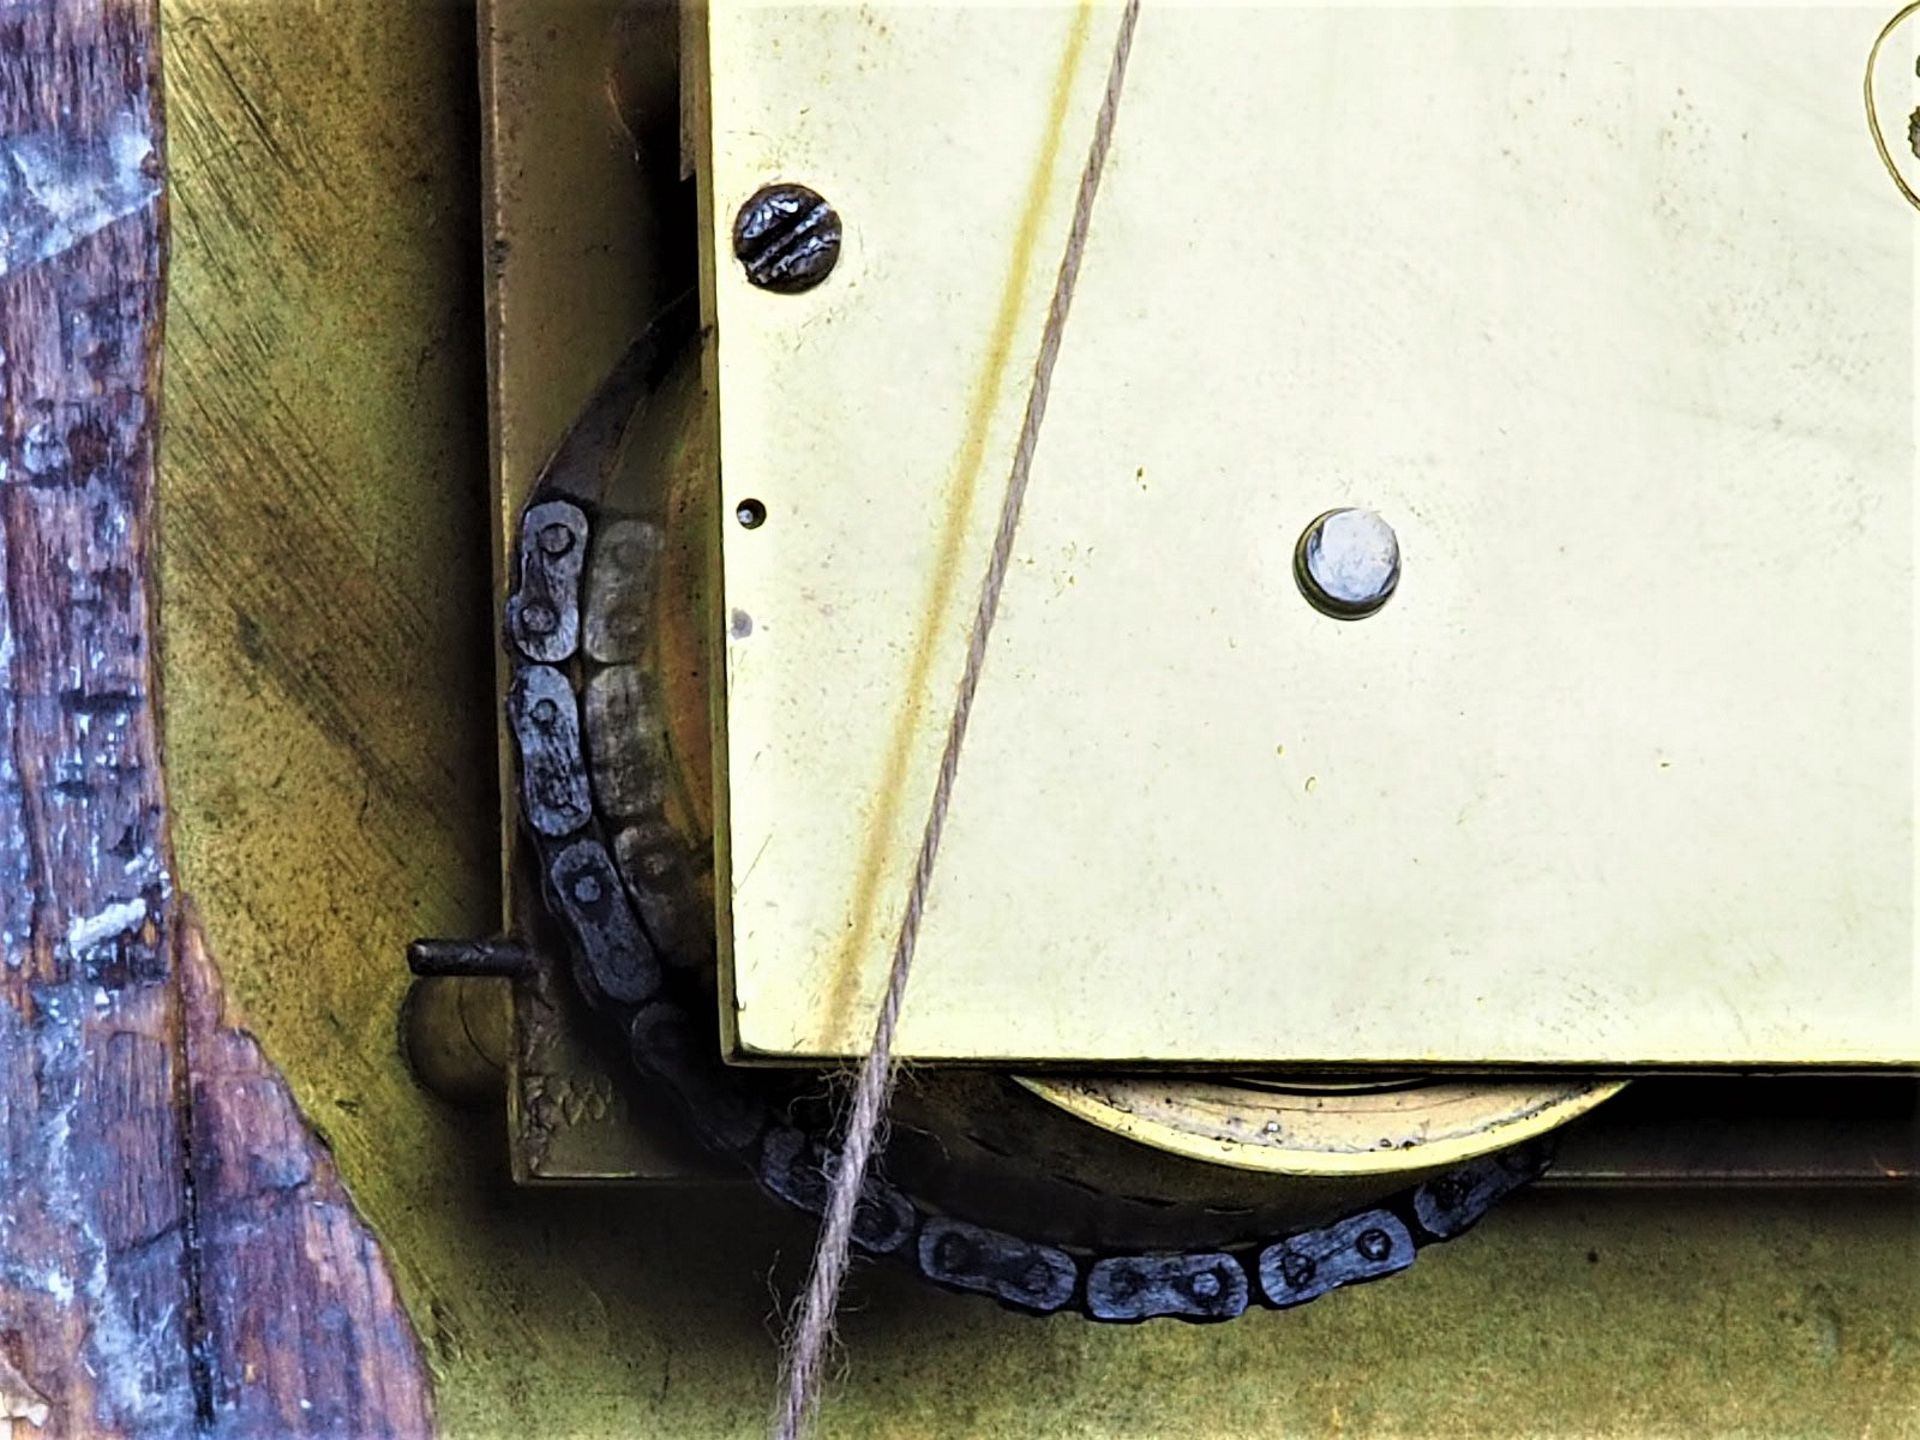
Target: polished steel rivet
[{"x": 1347, "y": 563}]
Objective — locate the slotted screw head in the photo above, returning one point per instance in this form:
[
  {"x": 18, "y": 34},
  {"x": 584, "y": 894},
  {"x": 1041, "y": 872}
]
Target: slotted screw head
[{"x": 787, "y": 238}]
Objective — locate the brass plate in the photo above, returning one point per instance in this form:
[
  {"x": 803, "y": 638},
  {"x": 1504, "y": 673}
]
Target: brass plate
[
  {"x": 576, "y": 1112},
  {"x": 577, "y": 1116},
  {"x": 1609, "y": 311}
]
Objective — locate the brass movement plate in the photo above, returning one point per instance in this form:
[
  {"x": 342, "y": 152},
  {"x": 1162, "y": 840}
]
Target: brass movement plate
[
  {"x": 1610, "y": 312},
  {"x": 578, "y": 1116}
]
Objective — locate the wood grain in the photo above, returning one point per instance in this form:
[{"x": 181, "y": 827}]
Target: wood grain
[
  {"x": 177, "y": 1256},
  {"x": 302, "y": 1332}
]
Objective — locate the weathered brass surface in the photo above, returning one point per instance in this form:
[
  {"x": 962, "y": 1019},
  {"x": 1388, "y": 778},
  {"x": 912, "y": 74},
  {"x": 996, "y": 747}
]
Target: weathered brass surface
[
  {"x": 1622, "y": 346},
  {"x": 332, "y": 745}
]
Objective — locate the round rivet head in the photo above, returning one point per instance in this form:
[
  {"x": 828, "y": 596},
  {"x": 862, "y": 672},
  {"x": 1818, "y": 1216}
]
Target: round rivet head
[
  {"x": 1296, "y": 1269},
  {"x": 787, "y": 238},
  {"x": 1347, "y": 563},
  {"x": 951, "y": 1253}
]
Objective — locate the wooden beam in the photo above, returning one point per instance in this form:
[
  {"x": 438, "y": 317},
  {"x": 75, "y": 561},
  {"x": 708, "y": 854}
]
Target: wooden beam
[{"x": 177, "y": 1256}]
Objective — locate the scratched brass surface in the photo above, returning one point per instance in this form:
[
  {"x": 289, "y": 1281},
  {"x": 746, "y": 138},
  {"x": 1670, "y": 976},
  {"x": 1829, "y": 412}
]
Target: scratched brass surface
[{"x": 331, "y": 754}]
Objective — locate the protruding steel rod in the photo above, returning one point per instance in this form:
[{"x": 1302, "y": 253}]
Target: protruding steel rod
[{"x": 504, "y": 959}]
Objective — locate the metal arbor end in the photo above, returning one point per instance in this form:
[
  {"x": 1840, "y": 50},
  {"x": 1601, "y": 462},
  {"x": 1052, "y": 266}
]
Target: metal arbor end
[{"x": 1347, "y": 563}]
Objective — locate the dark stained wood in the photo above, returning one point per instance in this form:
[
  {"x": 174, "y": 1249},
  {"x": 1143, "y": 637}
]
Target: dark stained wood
[
  {"x": 302, "y": 1331},
  {"x": 177, "y": 1256}
]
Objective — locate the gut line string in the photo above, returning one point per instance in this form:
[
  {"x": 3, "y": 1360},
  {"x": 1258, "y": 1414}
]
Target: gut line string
[{"x": 807, "y": 1348}]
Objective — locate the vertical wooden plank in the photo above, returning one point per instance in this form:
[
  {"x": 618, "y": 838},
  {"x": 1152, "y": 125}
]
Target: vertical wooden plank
[
  {"x": 302, "y": 1331},
  {"x": 176, "y": 1255},
  {"x": 94, "y": 1253}
]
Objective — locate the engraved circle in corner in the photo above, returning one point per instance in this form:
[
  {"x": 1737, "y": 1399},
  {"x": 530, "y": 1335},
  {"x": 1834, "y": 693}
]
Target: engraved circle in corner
[{"x": 1892, "y": 93}]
